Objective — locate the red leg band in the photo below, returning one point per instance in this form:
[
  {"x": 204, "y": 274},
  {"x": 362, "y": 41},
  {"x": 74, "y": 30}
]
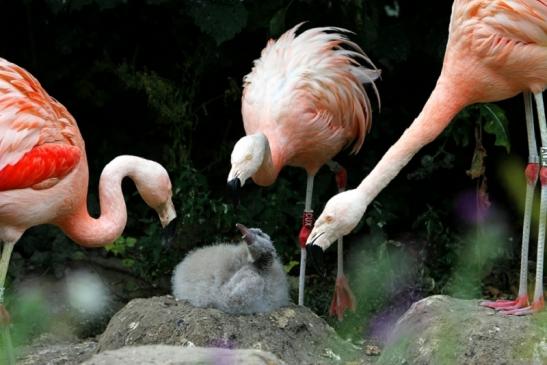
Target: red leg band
[
  {"x": 532, "y": 172},
  {"x": 307, "y": 225},
  {"x": 543, "y": 176}
]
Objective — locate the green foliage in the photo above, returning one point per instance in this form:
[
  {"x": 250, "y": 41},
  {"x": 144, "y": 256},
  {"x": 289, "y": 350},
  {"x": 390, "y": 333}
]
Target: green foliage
[
  {"x": 220, "y": 19},
  {"x": 29, "y": 317},
  {"x": 431, "y": 223},
  {"x": 496, "y": 123},
  {"x": 277, "y": 22},
  {"x": 121, "y": 245},
  {"x": 443, "y": 251},
  {"x": 380, "y": 270},
  {"x": 489, "y": 117},
  {"x": 492, "y": 119},
  {"x": 475, "y": 258},
  {"x": 441, "y": 159}
]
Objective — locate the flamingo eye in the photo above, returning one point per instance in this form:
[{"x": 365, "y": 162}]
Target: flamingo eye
[
  {"x": 329, "y": 219},
  {"x": 248, "y": 157}
]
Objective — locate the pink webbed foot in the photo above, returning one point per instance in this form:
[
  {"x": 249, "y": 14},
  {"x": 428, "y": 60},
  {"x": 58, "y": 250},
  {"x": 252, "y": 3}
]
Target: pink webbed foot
[
  {"x": 507, "y": 305},
  {"x": 343, "y": 298},
  {"x": 537, "y": 306}
]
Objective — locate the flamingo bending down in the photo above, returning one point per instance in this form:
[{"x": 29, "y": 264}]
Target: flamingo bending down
[
  {"x": 496, "y": 49},
  {"x": 44, "y": 174},
  {"x": 302, "y": 103}
]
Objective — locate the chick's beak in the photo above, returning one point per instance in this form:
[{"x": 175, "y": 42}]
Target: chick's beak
[{"x": 246, "y": 233}]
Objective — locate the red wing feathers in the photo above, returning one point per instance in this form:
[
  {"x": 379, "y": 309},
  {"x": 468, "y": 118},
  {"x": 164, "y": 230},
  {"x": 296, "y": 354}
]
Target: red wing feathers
[
  {"x": 29, "y": 117},
  {"x": 41, "y": 163}
]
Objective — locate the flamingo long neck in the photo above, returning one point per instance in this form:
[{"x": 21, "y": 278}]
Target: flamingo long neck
[
  {"x": 268, "y": 171},
  {"x": 97, "y": 232},
  {"x": 441, "y": 107}
]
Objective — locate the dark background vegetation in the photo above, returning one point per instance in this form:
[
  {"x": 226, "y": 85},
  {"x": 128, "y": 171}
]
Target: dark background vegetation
[{"x": 162, "y": 79}]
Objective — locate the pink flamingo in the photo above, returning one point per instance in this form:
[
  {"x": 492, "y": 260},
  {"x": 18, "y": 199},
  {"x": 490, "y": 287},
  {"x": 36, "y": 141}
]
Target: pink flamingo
[
  {"x": 496, "y": 49},
  {"x": 44, "y": 174},
  {"x": 302, "y": 103}
]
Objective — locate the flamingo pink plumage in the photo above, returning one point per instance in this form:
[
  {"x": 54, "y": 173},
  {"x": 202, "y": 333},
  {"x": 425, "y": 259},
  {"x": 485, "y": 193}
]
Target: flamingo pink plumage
[
  {"x": 302, "y": 103},
  {"x": 44, "y": 174},
  {"x": 496, "y": 49}
]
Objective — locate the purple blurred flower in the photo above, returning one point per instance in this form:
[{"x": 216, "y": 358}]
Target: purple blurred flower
[{"x": 473, "y": 206}]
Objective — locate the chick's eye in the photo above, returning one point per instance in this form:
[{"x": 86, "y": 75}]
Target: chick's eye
[
  {"x": 329, "y": 218},
  {"x": 248, "y": 157}
]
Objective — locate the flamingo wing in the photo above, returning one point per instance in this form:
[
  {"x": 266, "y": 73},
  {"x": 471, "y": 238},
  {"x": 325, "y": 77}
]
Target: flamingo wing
[
  {"x": 315, "y": 77},
  {"x": 39, "y": 139},
  {"x": 504, "y": 39},
  {"x": 503, "y": 22}
]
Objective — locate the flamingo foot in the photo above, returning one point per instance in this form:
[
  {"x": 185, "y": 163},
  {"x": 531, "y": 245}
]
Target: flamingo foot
[
  {"x": 506, "y": 305},
  {"x": 343, "y": 298},
  {"x": 537, "y": 306}
]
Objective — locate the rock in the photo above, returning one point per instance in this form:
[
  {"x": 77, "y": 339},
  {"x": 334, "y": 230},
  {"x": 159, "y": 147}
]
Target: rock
[
  {"x": 293, "y": 333},
  {"x": 445, "y": 330},
  {"x": 53, "y": 349},
  {"x": 177, "y": 355}
]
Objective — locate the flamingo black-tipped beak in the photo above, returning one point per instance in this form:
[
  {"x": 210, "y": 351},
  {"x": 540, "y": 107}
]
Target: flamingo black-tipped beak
[
  {"x": 317, "y": 257},
  {"x": 169, "y": 232},
  {"x": 247, "y": 235},
  {"x": 234, "y": 186}
]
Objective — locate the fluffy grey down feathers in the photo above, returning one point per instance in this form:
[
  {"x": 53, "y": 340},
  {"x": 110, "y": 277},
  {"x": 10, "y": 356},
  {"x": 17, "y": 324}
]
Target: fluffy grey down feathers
[{"x": 235, "y": 278}]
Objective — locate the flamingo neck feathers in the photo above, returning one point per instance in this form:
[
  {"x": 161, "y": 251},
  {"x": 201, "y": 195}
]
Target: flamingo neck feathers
[
  {"x": 97, "y": 232},
  {"x": 269, "y": 169},
  {"x": 441, "y": 107}
]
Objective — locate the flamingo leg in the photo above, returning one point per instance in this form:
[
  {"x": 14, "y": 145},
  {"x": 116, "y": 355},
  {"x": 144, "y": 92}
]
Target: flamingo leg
[
  {"x": 532, "y": 171},
  {"x": 307, "y": 225},
  {"x": 343, "y": 298},
  {"x": 538, "y": 300},
  {"x": 4, "y": 315}
]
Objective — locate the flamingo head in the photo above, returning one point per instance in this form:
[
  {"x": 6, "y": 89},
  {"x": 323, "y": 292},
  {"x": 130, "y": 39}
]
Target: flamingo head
[
  {"x": 154, "y": 186},
  {"x": 340, "y": 216},
  {"x": 259, "y": 244},
  {"x": 247, "y": 157}
]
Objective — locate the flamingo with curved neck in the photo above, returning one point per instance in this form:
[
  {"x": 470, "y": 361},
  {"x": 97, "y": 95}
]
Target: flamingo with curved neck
[{"x": 44, "y": 174}]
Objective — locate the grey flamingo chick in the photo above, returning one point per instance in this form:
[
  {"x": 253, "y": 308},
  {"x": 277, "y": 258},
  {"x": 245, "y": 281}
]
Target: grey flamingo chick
[{"x": 235, "y": 278}]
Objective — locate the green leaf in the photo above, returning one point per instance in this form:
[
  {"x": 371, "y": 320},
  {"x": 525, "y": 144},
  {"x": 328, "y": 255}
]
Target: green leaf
[
  {"x": 110, "y": 248},
  {"x": 129, "y": 263},
  {"x": 119, "y": 247},
  {"x": 277, "y": 22},
  {"x": 221, "y": 19},
  {"x": 130, "y": 241},
  {"x": 288, "y": 267},
  {"x": 496, "y": 123},
  {"x": 78, "y": 255}
]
